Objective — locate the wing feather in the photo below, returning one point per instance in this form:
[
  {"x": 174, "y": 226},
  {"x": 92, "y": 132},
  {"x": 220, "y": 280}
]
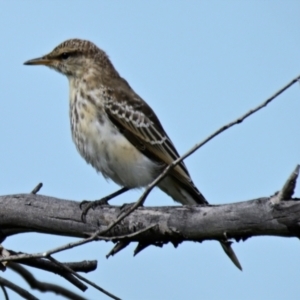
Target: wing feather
[{"x": 141, "y": 126}]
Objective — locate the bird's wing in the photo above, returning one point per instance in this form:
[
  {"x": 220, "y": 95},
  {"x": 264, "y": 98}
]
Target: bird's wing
[{"x": 138, "y": 122}]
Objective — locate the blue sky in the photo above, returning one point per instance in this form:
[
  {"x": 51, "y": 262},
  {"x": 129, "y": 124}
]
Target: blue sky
[{"x": 199, "y": 64}]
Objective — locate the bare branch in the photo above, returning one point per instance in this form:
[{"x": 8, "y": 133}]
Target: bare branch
[
  {"x": 4, "y": 292},
  {"x": 25, "y": 294},
  {"x": 173, "y": 224},
  {"x": 37, "y": 188},
  {"x": 42, "y": 285},
  {"x": 48, "y": 266},
  {"x": 62, "y": 269},
  {"x": 288, "y": 189},
  {"x": 84, "y": 279}
]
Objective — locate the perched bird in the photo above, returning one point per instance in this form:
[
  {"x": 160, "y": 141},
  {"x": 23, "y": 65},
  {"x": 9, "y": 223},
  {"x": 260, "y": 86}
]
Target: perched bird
[{"x": 114, "y": 129}]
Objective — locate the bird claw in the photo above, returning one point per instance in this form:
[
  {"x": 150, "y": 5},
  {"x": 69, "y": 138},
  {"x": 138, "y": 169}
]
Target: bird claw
[
  {"x": 89, "y": 205},
  {"x": 102, "y": 201}
]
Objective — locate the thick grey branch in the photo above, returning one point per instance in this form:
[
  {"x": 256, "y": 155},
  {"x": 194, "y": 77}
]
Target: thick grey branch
[{"x": 38, "y": 213}]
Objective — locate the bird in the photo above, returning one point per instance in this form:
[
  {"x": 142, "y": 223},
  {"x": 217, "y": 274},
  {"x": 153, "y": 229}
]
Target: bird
[{"x": 115, "y": 130}]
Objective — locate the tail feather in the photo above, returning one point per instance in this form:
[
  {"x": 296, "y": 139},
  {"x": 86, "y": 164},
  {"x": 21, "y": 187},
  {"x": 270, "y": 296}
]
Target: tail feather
[{"x": 186, "y": 194}]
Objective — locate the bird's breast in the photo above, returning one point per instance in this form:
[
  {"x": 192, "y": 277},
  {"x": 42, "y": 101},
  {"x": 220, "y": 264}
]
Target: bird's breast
[{"x": 105, "y": 148}]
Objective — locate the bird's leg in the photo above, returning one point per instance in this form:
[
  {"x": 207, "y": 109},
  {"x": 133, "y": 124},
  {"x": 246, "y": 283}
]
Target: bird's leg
[{"x": 102, "y": 201}]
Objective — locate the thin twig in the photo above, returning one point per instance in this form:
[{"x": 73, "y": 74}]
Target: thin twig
[
  {"x": 37, "y": 188},
  {"x": 83, "y": 279},
  {"x": 21, "y": 256},
  {"x": 42, "y": 285},
  {"x": 40, "y": 263},
  {"x": 63, "y": 267},
  {"x": 4, "y": 292},
  {"x": 288, "y": 189},
  {"x": 93, "y": 237},
  {"x": 46, "y": 265}
]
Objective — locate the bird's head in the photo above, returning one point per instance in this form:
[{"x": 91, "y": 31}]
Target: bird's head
[{"x": 74, "y": 57}]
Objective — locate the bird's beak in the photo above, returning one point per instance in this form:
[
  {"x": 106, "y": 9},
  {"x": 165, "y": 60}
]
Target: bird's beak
[{"x": 39, "y": 61}]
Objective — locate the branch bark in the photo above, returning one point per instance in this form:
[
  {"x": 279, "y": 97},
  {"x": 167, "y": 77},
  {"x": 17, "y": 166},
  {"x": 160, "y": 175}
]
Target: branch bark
[{"x": 38, "y": 213}]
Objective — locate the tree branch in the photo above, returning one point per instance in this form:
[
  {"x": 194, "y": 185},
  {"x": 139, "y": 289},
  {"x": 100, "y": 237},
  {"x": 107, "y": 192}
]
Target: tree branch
[
  {"x": 37, "y": 213},
  {"x": 20, "y": 291},
  {"x": 41, "y": 285}
]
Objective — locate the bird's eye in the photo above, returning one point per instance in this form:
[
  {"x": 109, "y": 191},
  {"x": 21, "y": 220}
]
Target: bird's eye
[{"x": 65, "y": 55}]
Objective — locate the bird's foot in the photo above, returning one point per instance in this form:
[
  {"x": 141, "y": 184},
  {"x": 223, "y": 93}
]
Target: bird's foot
[
  {"x": 91, "y": 204},
  {"x": 102, "y": 201}
]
